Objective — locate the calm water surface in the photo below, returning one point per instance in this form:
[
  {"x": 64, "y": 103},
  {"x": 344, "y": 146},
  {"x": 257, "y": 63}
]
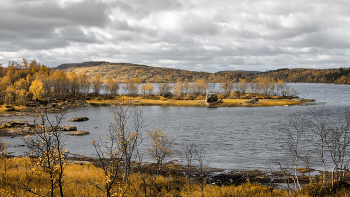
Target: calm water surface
[{"x": 230, "y": 137}]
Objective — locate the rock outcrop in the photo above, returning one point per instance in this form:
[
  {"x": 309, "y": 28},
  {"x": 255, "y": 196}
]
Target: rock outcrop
[
  {"x": 211, "y": 100},
  {"x": 79, "y": 119},
  {"x": 81, "y": 103},
  {"x": 16, "y": 123},
  {"x": 68, "y": 128}
]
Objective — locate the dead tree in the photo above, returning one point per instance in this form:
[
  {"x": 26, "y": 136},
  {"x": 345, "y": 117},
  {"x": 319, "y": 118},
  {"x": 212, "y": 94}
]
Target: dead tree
[{"x": 294, "y": 128}]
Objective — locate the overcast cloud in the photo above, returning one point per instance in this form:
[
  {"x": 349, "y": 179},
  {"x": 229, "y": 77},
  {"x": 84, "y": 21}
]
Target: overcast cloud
[{"x": 200, "y": 35}]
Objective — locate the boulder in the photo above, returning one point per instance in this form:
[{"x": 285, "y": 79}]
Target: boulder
[
  {"x": 69, "y": 128},
  {"x": 252, "y": 100},
  {"x": 81, "y": 103},
  {"x": 15, "y": 123},
  {"x": 211, "y": 98},
  {"x": 78, "y": 119},
  {"x": 78, "y": 133}
]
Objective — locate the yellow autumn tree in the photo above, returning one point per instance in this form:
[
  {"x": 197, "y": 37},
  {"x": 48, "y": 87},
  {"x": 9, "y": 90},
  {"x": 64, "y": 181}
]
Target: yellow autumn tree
[
  {"x": 132, "y": 86},
  {"x": 144, "y": 89},
  {"x": 178, "y": 88},
  {"x": 226, "y": 87},
  {"x": 160, "y": 147},
  {"x": 242, "y": 85},
  {"x": 85, "y": 83},
  {"x": 97, "y": 84},
  {"x": 36, "y": 88},
  {"x": 73, "y": 81},
  {"x": 147, "y": 88},
  {"x": 112, "y": 86},
  {"x": 10, "y": 96}
]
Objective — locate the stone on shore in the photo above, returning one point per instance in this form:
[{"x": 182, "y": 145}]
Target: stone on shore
[
  {"x": 79, "y": 119},
  {"x": 79, "y": 133},
  {"x": 252, "y": 101},
  {"x": 15, "y": 123},
  {"x": 82, "y": 103},
  {"x": 211, "y": 98},
  {"x": 68, "y": 128}
]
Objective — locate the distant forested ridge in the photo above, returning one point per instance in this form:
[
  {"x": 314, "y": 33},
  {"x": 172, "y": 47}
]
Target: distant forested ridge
[{"x": 124, "y": 71}]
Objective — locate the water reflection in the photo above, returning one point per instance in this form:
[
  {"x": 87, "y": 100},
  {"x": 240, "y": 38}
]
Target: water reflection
[{"x": 239, "y": 137}]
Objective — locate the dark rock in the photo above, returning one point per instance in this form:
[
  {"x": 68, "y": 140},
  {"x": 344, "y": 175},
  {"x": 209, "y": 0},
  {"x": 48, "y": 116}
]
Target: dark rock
[
  {"x": 11, "y": 109},
  {"x": 78, "y": 119},
  {"x": 211, "y": 98}
]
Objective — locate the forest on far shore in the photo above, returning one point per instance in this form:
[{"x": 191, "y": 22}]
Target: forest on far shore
[
  {"x": 124, "y": 71},
  {"x": 24, "y": 82},
  {"x": 21, "y": 82}
]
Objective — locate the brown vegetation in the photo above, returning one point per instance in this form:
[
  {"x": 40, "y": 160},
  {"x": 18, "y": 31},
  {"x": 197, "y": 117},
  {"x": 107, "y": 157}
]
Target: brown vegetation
[
  {"x": 124, "y": 71},
  {"x": 34, "y": 85}
]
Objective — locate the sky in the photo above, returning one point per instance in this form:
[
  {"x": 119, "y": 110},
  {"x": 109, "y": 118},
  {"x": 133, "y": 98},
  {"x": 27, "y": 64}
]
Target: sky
[{"x": 198, "y": 35}]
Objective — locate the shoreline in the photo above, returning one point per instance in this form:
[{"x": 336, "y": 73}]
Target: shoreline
[
  {"x": 59, "y": 107},
  {"x": 139, "y": 101},
  {"x": 213, "y": 176}
]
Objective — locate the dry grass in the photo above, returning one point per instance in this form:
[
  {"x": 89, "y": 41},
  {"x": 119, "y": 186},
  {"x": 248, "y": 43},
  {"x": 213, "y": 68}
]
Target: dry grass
[
  {"x": 161, "y": 101},
  {"x": 22, "y": 178}
]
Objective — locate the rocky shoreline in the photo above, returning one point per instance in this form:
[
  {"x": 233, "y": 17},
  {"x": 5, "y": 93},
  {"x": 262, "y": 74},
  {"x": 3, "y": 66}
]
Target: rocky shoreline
[
  {"x": 215, "y": 176},
  {"x": 22, "y": 128}
]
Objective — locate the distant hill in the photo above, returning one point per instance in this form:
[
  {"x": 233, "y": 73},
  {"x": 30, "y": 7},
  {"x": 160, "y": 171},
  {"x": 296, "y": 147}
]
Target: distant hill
[
  {"x": 124, "y": 71},
  {"x": 77, "y": 65}
]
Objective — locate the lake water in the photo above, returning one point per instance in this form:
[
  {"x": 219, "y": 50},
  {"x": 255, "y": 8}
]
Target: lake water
[{"x": 229, "y": 137}]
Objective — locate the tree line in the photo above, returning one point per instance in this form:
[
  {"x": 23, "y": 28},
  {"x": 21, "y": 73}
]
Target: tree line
[{"x": 27, "y": 81}]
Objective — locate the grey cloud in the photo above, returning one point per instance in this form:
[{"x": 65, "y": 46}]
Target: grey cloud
[
  {"x": 86, "y": 13},
  {"x": 194, "y": 35},
  {"x": 141, "y": 9},
  {"x": 321, "y": 40},
  {"x": 75, "y": 34},
  {"x": 196, "y": 25},
  {"x": 29, "y": 25}
]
